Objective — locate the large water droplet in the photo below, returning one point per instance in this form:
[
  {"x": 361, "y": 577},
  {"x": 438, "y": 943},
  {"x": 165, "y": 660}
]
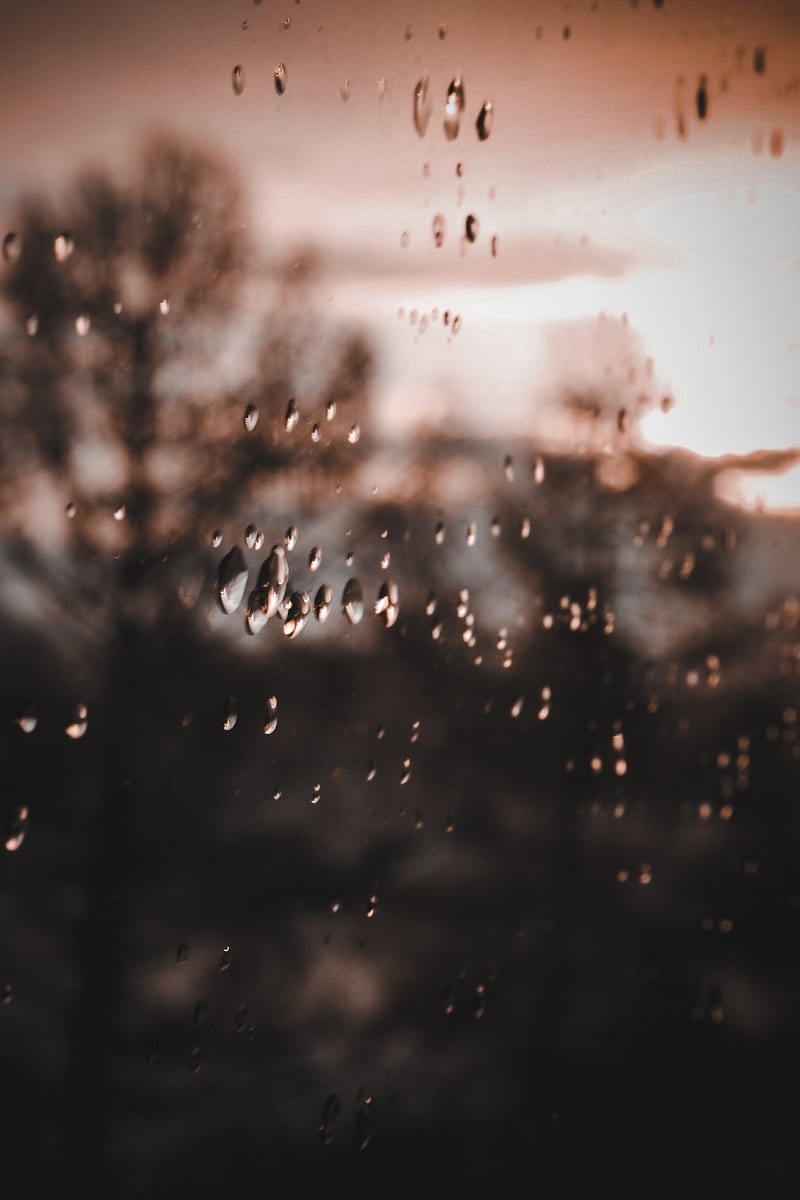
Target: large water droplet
[
  {"x": 258, "y": 609},
  {"x": 232, "y": 580},
  {"x": 237, "y": 80},
  {"x": 322, "y": 602},
  {"x": 250, "y": 417},
  {"x": 271, "y": 718},
  {"x": 79, "y": 723},
  {"x": 484, "y": 121},
  {"x": 279, "y": 75},
  {"x": 12, "y": 247},
  {"x": 388, "y": 603},
  {"x": 63, "y": 247},
  {"x": 16, "y": 827},
  {"x": 231, "y": 713},
  {"x": 292, "y": 416},
  {"x": 422, "y": 106},
  {"x": 297, "y": 615},
  {"x": 439, "y": 229},
  {"x": 353, "y": 601},
  {"x": 454, "y": 106}
]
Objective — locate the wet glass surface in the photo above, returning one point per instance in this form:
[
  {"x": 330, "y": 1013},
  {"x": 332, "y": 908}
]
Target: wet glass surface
[{"x": 400, "y": 595}]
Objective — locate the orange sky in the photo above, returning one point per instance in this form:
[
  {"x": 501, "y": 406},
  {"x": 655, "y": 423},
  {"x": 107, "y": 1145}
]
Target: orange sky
[{"x": 595, "y": 200}]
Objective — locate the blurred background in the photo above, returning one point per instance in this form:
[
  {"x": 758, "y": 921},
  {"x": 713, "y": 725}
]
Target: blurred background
[{"x": 400, "y": 545}]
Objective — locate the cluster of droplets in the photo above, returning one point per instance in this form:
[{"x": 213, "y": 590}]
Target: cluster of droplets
[{"x": 454, "y": 105}]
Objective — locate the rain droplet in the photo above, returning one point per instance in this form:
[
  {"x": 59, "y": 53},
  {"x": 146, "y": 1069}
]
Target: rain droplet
[
  {"x": 250, "y": 536},
  {"x": 316, "y": 793},
  {"x": 231, "y": 713},
  {"x": 216, "y": 539},
  {"x": 258, "y": 606},
  {"x": 442, "y": 32},
  {"x": 224, "y": 959},
  {"x": 538, "y": 469},
  {"x": 290, "y": 538},
  {"x": 701, "y": 99},
  {"x": 454, "y": 105},
  {"x": 250, "y": 417},
  {"x": 353, "y": 601},
  {"x": 82, "y": 325},
  {"x": 271, "y": 719},
  {"x": 385, "y": 560},
  {"x": 297, "y": 615},
  {"x": 274, "y": 576},
  {"x": 381, "y": 88},
  {"x": 16, "y": 828},
  {"x": 79, "y": 723},
  {"x": 759, "y": 60},
  {"x": 344, "y": 90},
  {"x": 12, "y": 247},
  {"x": 388, "y": 603},
  {"x": 316, "y": 433},
  {"x": 279, "y": 75},
  {"x": 232, "y": 580},
  {"x": 471, "y": 227},
  {"x": 439, "y": 229},
  {"x": 430, "y": 604},
  {"x": 372, "y": 771},
  {"x": 330, "y": 410},
  {"x": 354, "y": 434},
  {"x": 314, "y": 558},
  {"x": 422, "y": 106},
  {"x": 484, "y": 121},
  {"x": 508, "y": 469},
  {"x": 516, "y": 707},
  {"x": 28, "y": 720},
  {"x": 471, "y": 533},
  {"x": 63, "y": 247},
  {"x": 119, "y": 512},
  {"x": 525, "y": 527},
  {"x": 292, "y": 416},
  {"x": 406, "y": 772},
  {"x": 31, "y": 324},
  {"x": 322, "y": 603},
  {"x": 495, "y": 527},
  {"x": 163, "y": 307}
]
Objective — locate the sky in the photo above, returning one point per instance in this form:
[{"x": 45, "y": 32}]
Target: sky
[{"x": 604, "y": 189}]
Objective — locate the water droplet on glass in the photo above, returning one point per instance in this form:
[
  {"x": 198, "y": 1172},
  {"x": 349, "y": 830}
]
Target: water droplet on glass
[
  {"x": 372, "y": 771},
  {"x": 279, "y": 75},
  {"x": 232, "y": 580},
  {"x": 353, "y": 601},
  {"x": 63, "y": 247},
  {"x": 12, "y": 247},
  {"x": 28, "y": 720},
  {"x": 385, "y": 560},
  {"x": 31, "y": 324},
  {"x": 163, "y": 307},
  {"x": 258, "y": 609},
  {"x": 484, "y": 121},
  {"x": 353, "y": 434},
  {"x": 471, "y": 227},
  {"x": 759, "y": 60},
  {"x": 701, "y": 99},
  {"x": 316, "y": 793},
  {"x": 442, "y": 32},
  {"x": 439, "y": 229},
  {"x": 330, "y": 410},
  {"x": 79, "y": 723},
  {"x": 250, "y": 536},
  {"x": 16, "y": 828},
  {"x": 314, "y": 558},
  {"x": 290, "y": 538},
  {"x": 538, "y": 469},
  {"x": 316, "y": 433},
  {"x": 422, "y": 106},
  {"x": 495, "y": 527},
  {"x": 71, "y": 509},
  {"x": 344, "y": 90},
  {"x": 387, "y": 604},
  {"x": 82, "y": 325},
  {"x": 525, "y": 527},
  {"x": 250, "y": 417},
  {"x": 216, "y": 539},
  {"x": 292, "y": 416},
  {"x": 322, "y": 602},
  {"x": 493, "y": 244},
  {"x": 454, "y": 105},
  {"x": 381, "y": 88},
  {"x": 516, "y": 707},
  {"x": 297, "y": 614},
  {"x": 274, "y": 578},
  {"x": 271, "y": 718},
  {"x": 224, "y": 959},
  {"x": 119, "y": 512},
  {"x": 231, "y": 713},
  {"x": 472, "y": 533}
]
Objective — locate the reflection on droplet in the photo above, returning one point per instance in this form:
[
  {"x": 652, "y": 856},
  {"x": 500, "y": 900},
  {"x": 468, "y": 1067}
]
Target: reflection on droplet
[
  {"x": 231, "y": 713},
  {"x": 314, "y": 558},
  {"x": 353, "y": 601},
  {"x": 271, "y": 718},
  {"x": 472, "y": 533},
  {"x": 63, "y": 247},
  {"x": 422, "y": 106},
  {"x": 316, "y": 433},
  {"x": 216, "y": 538},
  {"x": 322, "y": 602},
  {"x": 484, "y": 121},
  {"x": 250, "y": 536},
  {"x": 316, "y": 793},
  {"x": 12, "y": 247},
  {"x": 82, "y": 324},
  {"x": 119, "y": 512},
  {"x": 224, "y": 959},
  {"x": 16, "y": 828},
  {"x": 495, "y": 527},
  {"x": 525, "y": 527},
  {"x": 297, "y": 614},
  {"x": 290, "y": 538},
  {"x": 330, "y": 410},
  {"x": 471, "y": 227},
  {"x": 250, "y": 417},
  {"x": 258, "y": 609},
  {"x": 279, "y": 75},
  {"x": 79, "y": 723},
  {"x": 538, "y": 469},
  {"x": 354, "y": 434},
  {"x": 292, "y": 416},
  {"x": 231, "y": 580},
  {"x": 387, "y": 604},
  {"x": 28, "y": 720},
  {"x": 454, "y": 105},
  {"x": 439, "y": 229}
]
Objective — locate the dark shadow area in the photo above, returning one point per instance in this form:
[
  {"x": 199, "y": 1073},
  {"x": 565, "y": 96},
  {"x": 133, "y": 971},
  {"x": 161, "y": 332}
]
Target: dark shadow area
[{"x": 500, "y": 855}]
